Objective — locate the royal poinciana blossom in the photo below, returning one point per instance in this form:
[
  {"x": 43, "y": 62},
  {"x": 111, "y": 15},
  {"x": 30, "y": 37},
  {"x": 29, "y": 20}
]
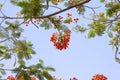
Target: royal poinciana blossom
[
  {"x": 74, "y": 78},
  {"x": 61, "y": 39},
  {"x": 99, "y": 77}
]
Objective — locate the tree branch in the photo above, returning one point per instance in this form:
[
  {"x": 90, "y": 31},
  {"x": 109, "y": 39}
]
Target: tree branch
[
  {"x": 49, "y": 15},
  {"x": 47, "y": 4},
  {"x": 6, "y": 69},
  {"x": 34, "y": 24}
]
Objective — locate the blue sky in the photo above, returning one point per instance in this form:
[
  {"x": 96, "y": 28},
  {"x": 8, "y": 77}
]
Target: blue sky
[{"x": 83, "y": 58}]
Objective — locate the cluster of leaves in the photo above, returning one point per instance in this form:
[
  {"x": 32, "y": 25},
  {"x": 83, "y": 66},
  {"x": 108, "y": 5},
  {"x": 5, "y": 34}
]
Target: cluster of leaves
[
  {"x": 11, "y": 35},
  {"x": 103, "y": 22},
  {"x": 98, "y": 26},
  {"x": 39, "y": 71},
  {"x": 30, "y": 8},
  {"x": 112, "y": 8}
]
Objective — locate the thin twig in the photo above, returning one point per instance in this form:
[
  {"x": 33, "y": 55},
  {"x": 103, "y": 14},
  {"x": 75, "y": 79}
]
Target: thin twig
[
  {"x": 1, "y": 8},
  {"x": 2, "y": 12},
  {"x": 55, "y": 7},
  {"x": 116, "y": 51},
  {"x": 2, "y": 59},
  {"x": 90, "y": 8},
  {"x": 6, "y": 69},
  {"x": 34, "y": 24},
  {"x": 47, "y": 4},
  {"x": 2, "y": 21},
  {"x": 4, "y": 40}
]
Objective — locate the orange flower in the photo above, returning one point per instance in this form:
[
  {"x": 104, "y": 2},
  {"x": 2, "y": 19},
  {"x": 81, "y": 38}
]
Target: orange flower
[
  {"x": 60, "y": 17},
  {"x": 11, "y": 78},
  {"x": 99, "y": 77},
  {"x": 74, "y": 78},
  {"x": 26, "y": 22}
]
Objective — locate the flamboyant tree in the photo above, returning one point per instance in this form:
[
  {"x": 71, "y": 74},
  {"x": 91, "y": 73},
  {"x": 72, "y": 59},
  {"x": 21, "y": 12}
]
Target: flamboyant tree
[{"x": 33, "y": 12}]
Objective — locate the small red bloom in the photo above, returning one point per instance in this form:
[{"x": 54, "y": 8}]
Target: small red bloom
[
  {"x": 26, "y": 22},
  {"x": 60, "y": 17},
  {"x": 76, "y": 19},
  {"x": 58, "y": 0},
  {"x": 54, "y": 78},
  {"x": 69, "y": 15},
  {"x": 33, "y": 78},
  {"x": 37, "y": 21}
]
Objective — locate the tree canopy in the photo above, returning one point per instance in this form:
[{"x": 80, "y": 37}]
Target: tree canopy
[{"x": 34, "y": 12}]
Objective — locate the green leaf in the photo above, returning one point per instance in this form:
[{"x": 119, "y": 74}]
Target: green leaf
[
  {"x": 3, "y": 47},
  {"x": 41, "y": 61},
  {"x": 17, "y": 35},
  {"x": 118, "y": 23},
  {"x": 91, "y": 34},
  {"x": 68, "y": 20},
  {"x": 49, "y": 69},
  {"x": 20, "y": 61},
  {"x": 14, "y": 62},
  {"x": 79, "y": 28},
  {"x": 30, "y": 51},
  {"x": 118, "y": 60},
  {"x": 47, "y": 75},
  {"x": 40, "y": 76},
  {"x": 3, "y": 72},
  {"x": 1, "y": 5},
  {"x": 7, "y": 56},
  {"x": 102, "y": 0},
  {"x": 81, "y": 10},
  {"x": 1, "y": 52},
  {"x": 1, "y": 65},
  {"x": 110, "y": 34}
]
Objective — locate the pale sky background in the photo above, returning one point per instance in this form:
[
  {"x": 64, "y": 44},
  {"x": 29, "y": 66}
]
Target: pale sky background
[{"x": 83, "y": 58}]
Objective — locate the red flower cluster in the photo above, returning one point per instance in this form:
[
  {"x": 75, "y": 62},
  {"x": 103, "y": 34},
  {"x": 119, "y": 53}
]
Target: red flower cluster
[
  {"x": 13, "y": 78},
  {"x": 61, "y": 40},
  {"x": 99, "y": 77}
]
